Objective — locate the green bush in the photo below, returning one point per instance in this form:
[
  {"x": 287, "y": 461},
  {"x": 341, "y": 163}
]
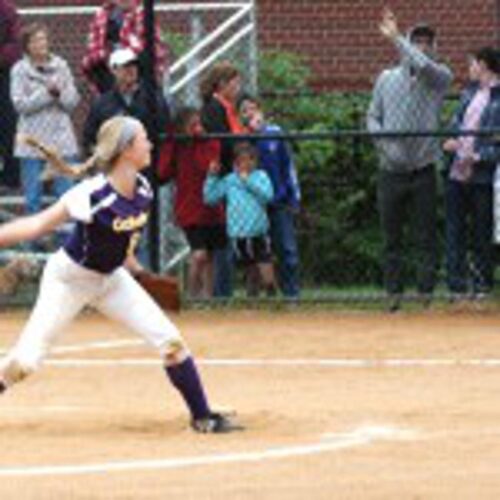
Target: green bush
[{"x": 339, "y": 236}]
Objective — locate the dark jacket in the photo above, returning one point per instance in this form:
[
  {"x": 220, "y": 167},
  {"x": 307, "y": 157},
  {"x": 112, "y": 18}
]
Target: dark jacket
[
  {"x": 214, "y": 119},
  {"x": 487, "y": 148},
  {"x": 276, "y": 159},
  {"x": 10, "y": 52},
  {"x": 10, "y": 47},
  {"x": 112, "y": 104}
]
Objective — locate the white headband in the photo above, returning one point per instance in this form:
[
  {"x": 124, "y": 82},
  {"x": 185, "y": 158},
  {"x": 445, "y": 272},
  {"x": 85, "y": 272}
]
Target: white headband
[{"x": 130, "y": 128}]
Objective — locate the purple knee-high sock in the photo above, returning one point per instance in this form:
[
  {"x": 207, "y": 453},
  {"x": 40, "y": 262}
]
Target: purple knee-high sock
[{"x": 185, "y": 378}]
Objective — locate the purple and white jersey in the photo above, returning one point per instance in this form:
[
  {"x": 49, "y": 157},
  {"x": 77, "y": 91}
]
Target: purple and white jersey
[{"x": 108, "y": 225}]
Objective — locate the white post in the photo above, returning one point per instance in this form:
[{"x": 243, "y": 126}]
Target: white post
[
  {"x": 193, "y": 90},
  {"x": 253, "y": 52}
]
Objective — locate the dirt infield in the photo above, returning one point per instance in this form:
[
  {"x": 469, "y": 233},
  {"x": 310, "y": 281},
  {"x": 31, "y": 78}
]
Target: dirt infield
[{"x": 336, "y": 405}]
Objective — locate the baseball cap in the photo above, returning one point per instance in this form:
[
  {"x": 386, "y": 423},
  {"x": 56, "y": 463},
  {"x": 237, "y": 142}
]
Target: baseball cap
[{"x": 122, "y": 57}]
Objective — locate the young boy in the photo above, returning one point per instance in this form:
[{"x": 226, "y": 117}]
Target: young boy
[{"x": 247, "y": 192}]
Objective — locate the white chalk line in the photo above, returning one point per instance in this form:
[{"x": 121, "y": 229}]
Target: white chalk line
[
  {"x": 318, "y": 363},
  {"x": 103, "y": 345},
  {"x": 89, "y": 346},
  {"x": 327, "y": 362},
  {"x": 43, "y": 409},
  {"x": 359, "y": 437}
]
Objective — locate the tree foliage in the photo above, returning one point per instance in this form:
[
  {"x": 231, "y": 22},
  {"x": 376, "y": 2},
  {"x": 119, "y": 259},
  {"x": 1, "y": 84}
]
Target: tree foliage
[{"x": 339, "y": 235}]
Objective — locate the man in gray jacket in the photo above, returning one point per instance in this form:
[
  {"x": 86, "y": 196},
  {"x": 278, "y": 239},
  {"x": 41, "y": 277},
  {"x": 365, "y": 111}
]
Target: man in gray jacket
[{"x": 408, "y": 98}]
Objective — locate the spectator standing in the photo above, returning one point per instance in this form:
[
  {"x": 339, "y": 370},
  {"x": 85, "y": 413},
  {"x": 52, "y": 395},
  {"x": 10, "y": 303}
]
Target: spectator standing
[
  {"x": 127, "y": 97},
  {"x": 275, "y": 158},
  {"x": 118, "y": 24},
  {"x": 408, "y": 98},
  {"x": 186, "y": 163},
  {"x": 44, "y": 95},
  {"x": 469, "y": 178},
  {"x": 10, "y": 51},
  {"x": 220, "y": 90},
  {"x": 248, "y": 191}
]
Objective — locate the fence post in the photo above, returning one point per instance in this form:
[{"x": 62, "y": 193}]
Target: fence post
[{"x": 151, "y": 89}]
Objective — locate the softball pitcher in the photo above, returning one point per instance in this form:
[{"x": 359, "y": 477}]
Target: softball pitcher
[{"x": 109, "y": 210}]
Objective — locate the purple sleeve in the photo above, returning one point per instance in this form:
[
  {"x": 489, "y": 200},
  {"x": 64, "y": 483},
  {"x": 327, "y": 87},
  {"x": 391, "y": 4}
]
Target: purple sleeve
[{"x": 10, "y": 47}]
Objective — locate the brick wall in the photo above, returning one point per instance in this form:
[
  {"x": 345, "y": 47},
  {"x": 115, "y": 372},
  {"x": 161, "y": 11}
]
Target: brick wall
[{"x": 339, "y": 38}]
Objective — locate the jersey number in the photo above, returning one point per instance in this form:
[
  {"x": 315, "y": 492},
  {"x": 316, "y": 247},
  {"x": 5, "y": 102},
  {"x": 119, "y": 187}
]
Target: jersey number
[{"x": 134, "y": 241}]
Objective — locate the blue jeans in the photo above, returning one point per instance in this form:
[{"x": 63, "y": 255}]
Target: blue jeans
[
  {"x": 223, "y": 272},
  {"x": 143, "y": 253},
  {"x": 32, "y": 185},
  {"x": 31, "y": 170},
  {"x": 469, "y": 225},
  {"x": 284, "y": 244}
]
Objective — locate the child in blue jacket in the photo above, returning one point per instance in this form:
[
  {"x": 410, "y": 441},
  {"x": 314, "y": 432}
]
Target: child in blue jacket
[{"x": 247, "y": 192}]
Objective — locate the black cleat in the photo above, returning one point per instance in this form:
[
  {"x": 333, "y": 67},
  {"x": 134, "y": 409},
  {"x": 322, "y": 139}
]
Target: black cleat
[{"x": 215, "y": 423}]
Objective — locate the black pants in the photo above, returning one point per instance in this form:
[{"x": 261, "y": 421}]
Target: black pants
[
  {"x": 9, "y": 171},
  {"x": 409, "y": 199},
  {"x": 469, "y": 225}
]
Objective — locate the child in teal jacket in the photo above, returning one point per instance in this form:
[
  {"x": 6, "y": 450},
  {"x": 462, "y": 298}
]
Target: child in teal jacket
[{"x": 247, "y": 192}]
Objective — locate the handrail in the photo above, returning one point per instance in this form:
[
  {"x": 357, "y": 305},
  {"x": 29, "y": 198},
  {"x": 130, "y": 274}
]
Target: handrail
[
  {"x": 76, "y": 10},
  {"x": 177, "y": 258},
  {"x": 210, "y": 38},
  {"x": 213, "y": 56},
  {"x": 242, "y": 8}
]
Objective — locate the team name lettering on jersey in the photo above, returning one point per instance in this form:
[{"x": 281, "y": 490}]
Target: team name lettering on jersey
[
  {"x": 108, "y": 225},
  {"x": 130, "y": 223}
]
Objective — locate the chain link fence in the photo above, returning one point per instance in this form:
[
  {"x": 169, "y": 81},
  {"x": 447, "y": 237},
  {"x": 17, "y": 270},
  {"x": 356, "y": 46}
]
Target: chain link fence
[{"x": 383, "y": 214}]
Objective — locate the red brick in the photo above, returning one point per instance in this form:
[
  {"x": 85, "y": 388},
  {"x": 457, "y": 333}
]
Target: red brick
[{"x": 339, "y": 37}]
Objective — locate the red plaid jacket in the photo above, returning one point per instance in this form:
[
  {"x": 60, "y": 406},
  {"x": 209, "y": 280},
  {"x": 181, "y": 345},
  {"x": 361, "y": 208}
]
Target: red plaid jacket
[{"x": 131, "y": 36}]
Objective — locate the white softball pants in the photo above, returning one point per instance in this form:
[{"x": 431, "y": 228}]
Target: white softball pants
[{"x": 66, "y": 288}]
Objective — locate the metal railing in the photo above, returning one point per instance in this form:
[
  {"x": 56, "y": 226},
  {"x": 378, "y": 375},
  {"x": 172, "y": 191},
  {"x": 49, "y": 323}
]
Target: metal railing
[{"x": 241, "y": 25}]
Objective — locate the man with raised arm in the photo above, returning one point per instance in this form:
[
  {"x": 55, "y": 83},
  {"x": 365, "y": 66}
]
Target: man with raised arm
[{"x": 408, "y": 98}]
